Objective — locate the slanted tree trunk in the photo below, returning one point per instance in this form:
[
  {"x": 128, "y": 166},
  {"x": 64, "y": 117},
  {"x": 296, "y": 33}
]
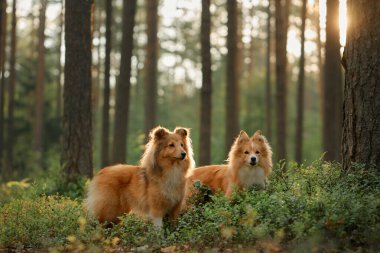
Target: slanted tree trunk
[
  {"x": 300, "y": 90},
  {"x": 150, "y": 98},
  {"x": 232, "y": 85},
  {"x": 11, "y": 92},
  {"x": 77, "y": 118},
  {"x": 281, "y": 14},
  {"x": 123, "y": 84},
  {"x": 332, "y": 106},
  {"x": 3, "y": 34},
  {"x": 206, "y": 105},
  {"x": 106, "y": 90},
  {"x": 268, "y": 88},
  {"x": 39, "y": 91},
  {"x": 361, "y": 111}
]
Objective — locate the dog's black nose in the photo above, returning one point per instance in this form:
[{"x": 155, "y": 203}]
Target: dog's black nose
[
  {"x": 253, "y": 159},
  {"x": 183, "y": 154}
]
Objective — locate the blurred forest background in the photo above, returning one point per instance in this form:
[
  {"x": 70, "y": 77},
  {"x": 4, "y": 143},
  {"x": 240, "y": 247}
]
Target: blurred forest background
[{"x": 146, "y": 70}]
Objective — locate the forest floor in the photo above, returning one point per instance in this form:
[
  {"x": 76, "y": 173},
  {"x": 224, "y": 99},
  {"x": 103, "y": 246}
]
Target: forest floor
[{"x": 314, "y": 208}]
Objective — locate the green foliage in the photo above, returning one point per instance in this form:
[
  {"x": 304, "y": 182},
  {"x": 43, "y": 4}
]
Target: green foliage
[{"x": 304, "y": 207}]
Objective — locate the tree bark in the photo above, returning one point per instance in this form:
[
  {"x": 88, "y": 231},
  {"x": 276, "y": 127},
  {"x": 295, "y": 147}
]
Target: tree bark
[
  {"x": 361, "y": 113},
  {"x": 332, "y": 106},
  {"x": 268, "y": 88},
  {"x": 281, "y": 75},
  {"x": 300, "y": 90},
  {"x": 106, "y": 90},
  {"x": 320, "y": 62},
  {"x": 232, "y": 85},
  {"x": 11, "y": 92},
  {"x": 151, "y": 65},
  {"x": 59, "y": 65},
  {"x": 3, "y": 35},
  {"x": 206, "y": 105},
  {"x": 39, "y": 91},
  {"x": 77, "y": 118},
  {"x": 123, "y": 84}
]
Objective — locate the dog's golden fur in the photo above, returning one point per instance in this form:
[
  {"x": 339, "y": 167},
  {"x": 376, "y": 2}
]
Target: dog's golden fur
[
  {"x": 154, "y": 189},
  {"x": 241, "y": 171}
]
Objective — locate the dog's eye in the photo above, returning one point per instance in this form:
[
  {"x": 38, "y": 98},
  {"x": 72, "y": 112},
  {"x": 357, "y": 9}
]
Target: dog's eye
[
  {"x": 181, "y": 144},
  {"x": 171, "y": 145},
  {"x": 246, "y": 152},
  {"x": 257, "y": 152}
]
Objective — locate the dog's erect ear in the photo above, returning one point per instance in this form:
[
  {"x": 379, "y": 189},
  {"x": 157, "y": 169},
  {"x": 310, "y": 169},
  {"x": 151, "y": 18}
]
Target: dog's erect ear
[
  {"x": 243, "y": 136},
  {"x": 182, "y": 131},
  {"x": 158, "y": 133},
  {"x": 258, "y": 135}
]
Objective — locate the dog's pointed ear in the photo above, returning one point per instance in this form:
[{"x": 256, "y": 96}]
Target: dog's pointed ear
[
  {"x": 184, "y": 132},
  {"x": 243, "y": 136},
  {"x": 258, "y": 135},
  {"x": 158, "y": 133}
]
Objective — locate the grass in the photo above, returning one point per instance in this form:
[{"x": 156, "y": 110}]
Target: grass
[{"x": 304, "y": 208}]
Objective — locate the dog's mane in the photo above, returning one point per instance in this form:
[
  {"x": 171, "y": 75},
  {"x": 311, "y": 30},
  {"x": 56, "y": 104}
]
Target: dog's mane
[{"x": 148, "y": 159}]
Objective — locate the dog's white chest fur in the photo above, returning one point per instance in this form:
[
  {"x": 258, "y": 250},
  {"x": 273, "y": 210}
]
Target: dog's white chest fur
[
  {"x": 249, "y": 176},
  {"x": 172, "y": 186}
]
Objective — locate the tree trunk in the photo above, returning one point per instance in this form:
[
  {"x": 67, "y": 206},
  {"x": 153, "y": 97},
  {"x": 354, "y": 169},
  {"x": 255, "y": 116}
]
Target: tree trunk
[
  {"x": 39, "y": 92},
  {"x": 151, "y": 65},
  {"x": 300, "y": 92},
  {"x": 205, "y": 129},
  {"x": 281, "y": 75},
  {"x": 106, "y": 90},
  {"x": 232, "y": 85},
  {"x": 361, "y": 113},
  {"x": 268, "y": 88},
  {"x": 123, "y": 84},
  {"x": 332, "y": 106},
  {"x": 320, "y": 61},
  {"x": 11, "y": 92},
  {"x": 77, "y": 122},
  {"x": 3, "y": 34},
  {"x": 59, "y": 65}
]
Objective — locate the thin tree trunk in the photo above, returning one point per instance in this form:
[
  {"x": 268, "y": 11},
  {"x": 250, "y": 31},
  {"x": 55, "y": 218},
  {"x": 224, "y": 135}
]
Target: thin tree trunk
[
  {"x": 59, "y": 65},
  {"x": 11, "y": 91},
  {"x": 106, "y": 89},
  {"x": 151, "y": 65},
  {"x": 320, "y": 62},
  {"x": 281, "y": 76},
  {"x": 124, "y": 84},
  {"x": 39, "y": 92},
  {"x": 300, "y": 92},
  {"x": 332, "y": 122},
  {"x": 77, "y": 119},
  {"x": 232, "y": 86},
  {"x": 361, "y": 118},
  {"x": 268, "y": 88},
  {"x": 3, "y": 35},
  {"x": 205, "y": 128}
]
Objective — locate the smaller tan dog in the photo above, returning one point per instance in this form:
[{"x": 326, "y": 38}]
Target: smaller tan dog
[{"x": 249, "y": 163}]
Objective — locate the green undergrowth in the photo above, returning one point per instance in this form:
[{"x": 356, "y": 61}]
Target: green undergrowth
[{"x": 304, "y": 208}]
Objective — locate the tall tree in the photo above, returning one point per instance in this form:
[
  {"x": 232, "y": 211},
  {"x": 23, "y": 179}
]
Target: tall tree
[
  {"x": 281, "y": 13},
  {"x": 320, "y": 60},
  {"x": 106, "y": 89},
  {"x": 11, "y": 91},
  {"x": 59, "y": 65},
  {"x": 123, "y": 84},
  {"x": 77, "y": 121},
  {"x": 39, "y": 92},
  {"x": 205, "y": 123},
  {"x": 361, "y": 111},
  {"x": 332, "y": 104},
  {"x": 268, "y": 88},
  {"x": 3, "y": 34},
  {"x": 232, "y": 85},
  {"x": 300, "y": 89},
  {"x": 151, "y": 65}
]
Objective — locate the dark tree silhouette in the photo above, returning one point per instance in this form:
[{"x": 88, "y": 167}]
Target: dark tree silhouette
[
  {"x": 361, "y": 113},
  {"x": 3, "y": 34},
  {"x": 332, "y": 97},
  {"x": 123, "y": 84},
  {"x": 268, "y": 88},
  {"x": 232, "y": 86},
  {"x": 206, "y": 105},
  {"x": 77, "y": 120}
]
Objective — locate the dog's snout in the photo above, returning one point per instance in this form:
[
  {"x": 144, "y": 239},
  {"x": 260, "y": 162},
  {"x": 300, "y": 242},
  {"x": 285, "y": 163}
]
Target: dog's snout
[
  {"x": 253, "y": 159},
  {"x": 183, "y": 154}
]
